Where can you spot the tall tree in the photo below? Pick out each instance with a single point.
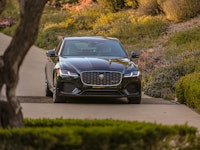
(25, 36)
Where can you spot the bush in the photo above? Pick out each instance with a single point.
(85, 18)
(130, 29)
(188, 91)
(164, 79)
(180, 10)
(131, 3)
(111, 5)
(47, 134)
(49, 38)
(149, 7)
(182, 53)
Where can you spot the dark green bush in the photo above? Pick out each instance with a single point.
(50, 134)
(111, 5)
(188, 90)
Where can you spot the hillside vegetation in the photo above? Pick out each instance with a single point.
(166, 33)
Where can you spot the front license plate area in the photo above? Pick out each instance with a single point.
(98, 87)
(104, 87)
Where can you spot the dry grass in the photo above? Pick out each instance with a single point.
(180, 10)
(149, 7)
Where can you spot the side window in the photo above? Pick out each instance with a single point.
(58, 47)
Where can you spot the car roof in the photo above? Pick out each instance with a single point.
(90, 38)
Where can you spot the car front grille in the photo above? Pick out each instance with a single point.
(101, 78)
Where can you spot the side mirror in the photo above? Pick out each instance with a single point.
(51, 53)
(135, 55)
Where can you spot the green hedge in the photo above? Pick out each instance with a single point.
(188, 90)
(49, 134)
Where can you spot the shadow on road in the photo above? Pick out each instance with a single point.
(29, 99)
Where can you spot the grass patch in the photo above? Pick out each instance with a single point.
(183, 43)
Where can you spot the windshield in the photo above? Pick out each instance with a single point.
(92, 48)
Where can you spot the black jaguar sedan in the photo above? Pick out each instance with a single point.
(92, 67)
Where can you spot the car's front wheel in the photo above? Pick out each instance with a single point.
(48, 92)
(134, 100)
(56, 97)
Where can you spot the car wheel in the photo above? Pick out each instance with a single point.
(56, 97)
(48, 91)
(134, 100)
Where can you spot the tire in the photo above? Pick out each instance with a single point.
(56, 97)
(48, 92)
(134, 100)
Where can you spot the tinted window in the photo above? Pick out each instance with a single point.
(93, 48)
(57, 49)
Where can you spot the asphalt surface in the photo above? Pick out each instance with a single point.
(30, 92)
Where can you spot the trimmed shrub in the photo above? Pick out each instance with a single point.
(180, 10)
(50, 134)
(188, 91)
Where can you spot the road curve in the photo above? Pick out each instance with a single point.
(30, 92)
(32, 79)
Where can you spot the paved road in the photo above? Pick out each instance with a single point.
(31, 94)
(31, 82)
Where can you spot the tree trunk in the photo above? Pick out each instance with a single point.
(10, 62)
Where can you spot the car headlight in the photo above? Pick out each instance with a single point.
(66, 73)
(134, 73)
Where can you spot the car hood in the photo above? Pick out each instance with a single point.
(79, 65)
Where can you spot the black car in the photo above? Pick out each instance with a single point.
(92, 67)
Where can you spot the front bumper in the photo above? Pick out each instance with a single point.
(73, 87)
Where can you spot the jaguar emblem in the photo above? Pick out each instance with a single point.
(101, 76)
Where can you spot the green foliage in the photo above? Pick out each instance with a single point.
(182, 51)
(131, 3)
(165, 78)
(188, 91)
(46, 134)
(85, 19)
(59, 3)
(111, 5)
(129, 28)
(11, 11)
(180, 10)
(49, 38)
(183, 43)
(52, 28)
